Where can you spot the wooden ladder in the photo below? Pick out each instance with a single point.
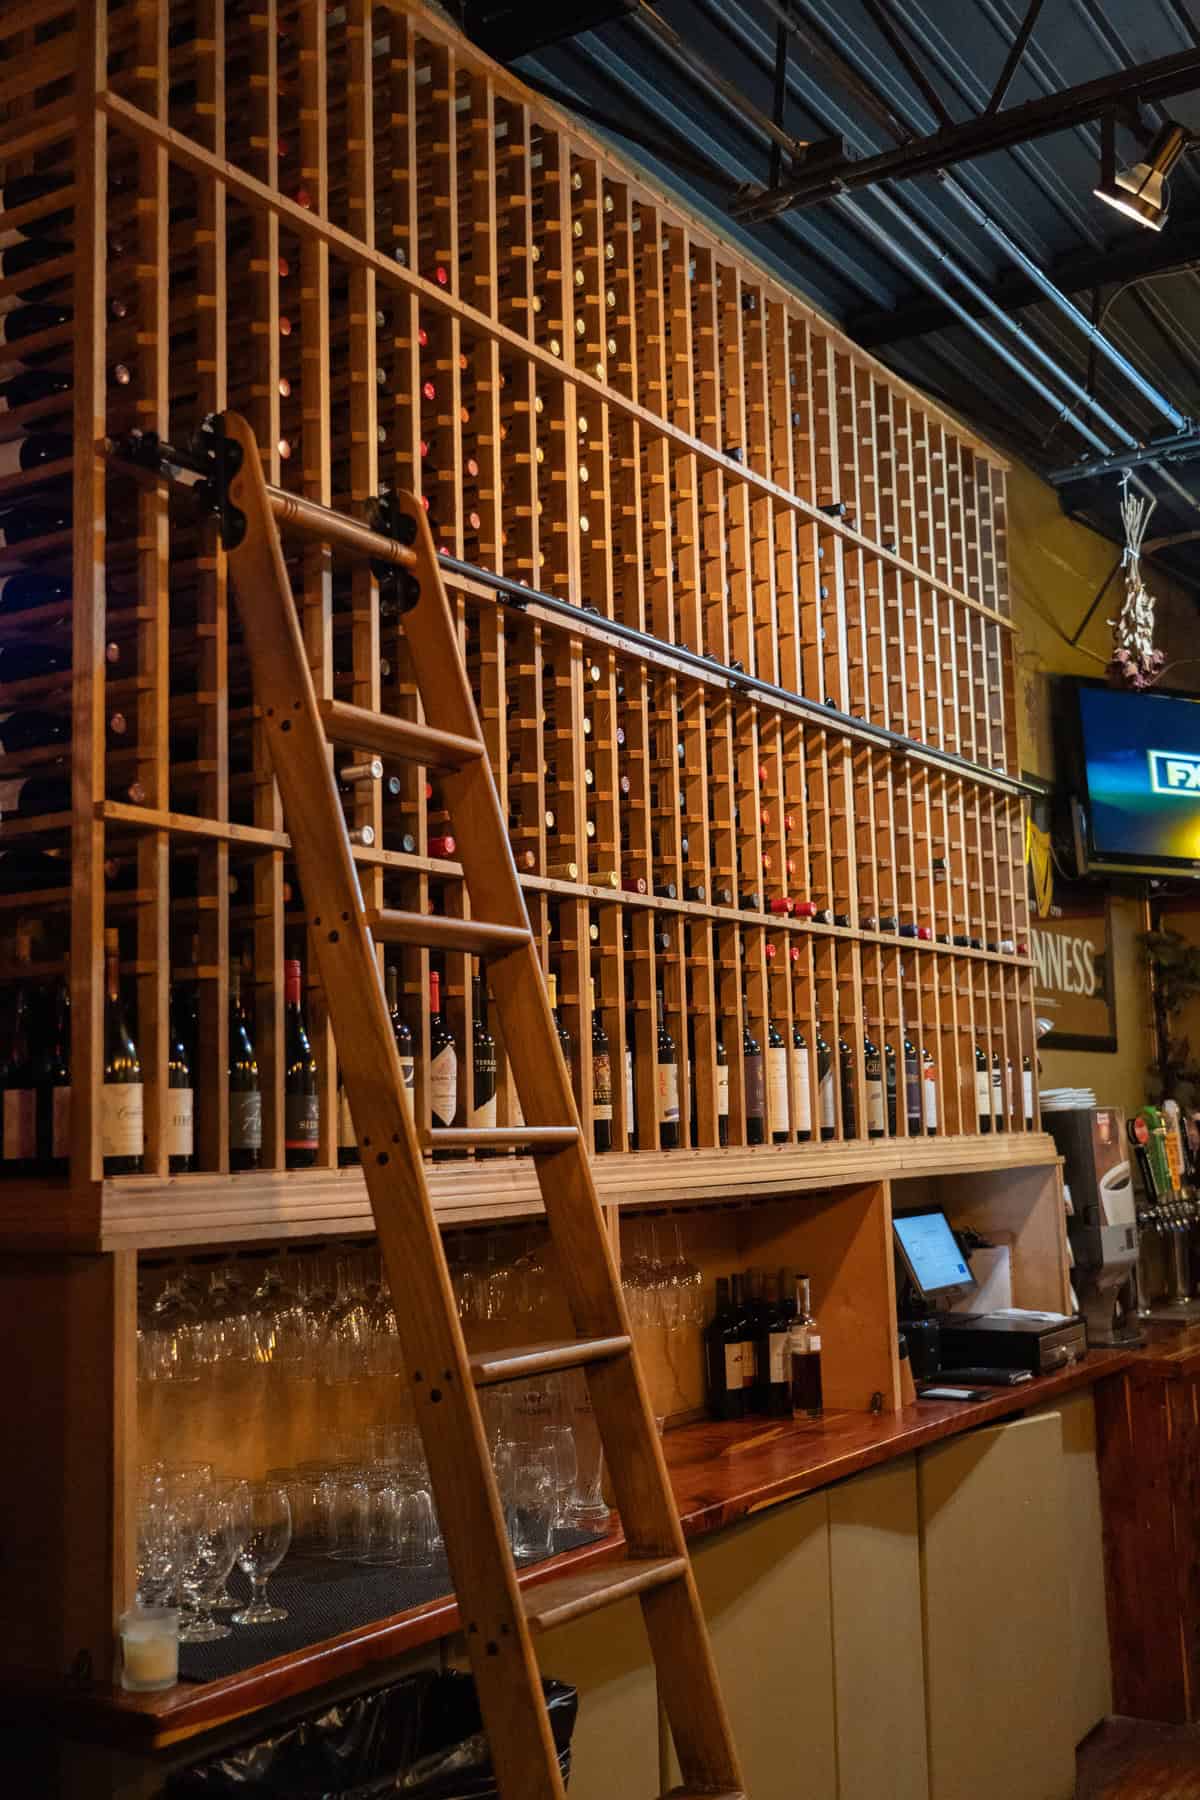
(498, 1618)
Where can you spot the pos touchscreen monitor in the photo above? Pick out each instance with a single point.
(929, 1252)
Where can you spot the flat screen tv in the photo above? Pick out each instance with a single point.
(1139, 773)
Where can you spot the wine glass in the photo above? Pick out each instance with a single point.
(233, 1490)
(268, 1534)
(212, 1534)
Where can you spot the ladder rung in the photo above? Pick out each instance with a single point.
(437, 932)
(366, 730)
(573, 1596)
(504, 1137)
(490, 1366)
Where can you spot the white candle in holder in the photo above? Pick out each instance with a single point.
(149, 1648)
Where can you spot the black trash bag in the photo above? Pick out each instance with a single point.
(421, 1737)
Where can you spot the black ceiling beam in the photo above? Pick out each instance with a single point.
(1130, 258)
(1004, 130)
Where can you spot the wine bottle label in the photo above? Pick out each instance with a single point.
(722, 1090)
(1027, 1091)
(408, 1072)
(803, 1090)
(931, 1115)
(443, 1086)
(60, 1122)
(754, 1086)
(20, 1124)
(668, 1093)
(301, 1121)
(778, 1343)
(828, 1101)
(777, 1089)
(876, 1116)
(735, 1367)
(983, 1093)
(602, 1101)
(814, 1340)
(121, 1131)
(245, 1121)
(483, 1116)
(346, 1137)
(181, 1113)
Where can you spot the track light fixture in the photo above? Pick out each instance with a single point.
(1140, 191)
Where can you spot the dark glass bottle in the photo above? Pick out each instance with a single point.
(929, 1092)
(999, 1103)
(53, 1084)
(778, 1107)
(18, 1121)
(983, 1089)
(443, 1061)
(560, 1030)
(801, 1085)
(121, 1118)
(873, 1073)
(774, 1373)
(34, 451)
(826, 1096)
(302, 1116)
(722, 1061)
(602, 1088)
(1027, 1091)
(723, 1359)
(804, 1354)
(756, 1099)
(889, 1086)
(667, 1083)
(23, 592)
(849, 1102)
(400, 1031)
(181, 1097)
(630, 1083)
(245, 1093)
(483, 1061)
(913, 1120)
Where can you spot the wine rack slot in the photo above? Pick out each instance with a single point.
(732, 600)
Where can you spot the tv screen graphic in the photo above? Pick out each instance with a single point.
(1141, 755)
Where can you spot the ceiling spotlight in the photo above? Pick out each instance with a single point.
(1140, 191)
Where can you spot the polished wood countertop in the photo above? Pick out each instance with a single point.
(721, 1472)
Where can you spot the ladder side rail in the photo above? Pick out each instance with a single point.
(498, 1641)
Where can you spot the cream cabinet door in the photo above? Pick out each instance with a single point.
(607, 1657)
(764, 1585)
(1089, 1666)
(996, 1600)
(879, 1669)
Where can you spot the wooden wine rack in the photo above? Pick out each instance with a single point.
(732, 597)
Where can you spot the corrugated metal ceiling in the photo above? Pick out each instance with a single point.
(1039, 193)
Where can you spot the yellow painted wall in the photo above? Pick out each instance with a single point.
(1056, 568)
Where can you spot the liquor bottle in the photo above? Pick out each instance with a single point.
(181, 1096)
(983, 1089)
(18, 1123)
(443, 1061)
(873, 1071)
(1027, 1091)
(801, 1085)
(929, 1086)
(245, 1094)
(723, 1357)
(667, 1083)
(483, 1061)
(121, 1120)
(849, 1103)
(778, 1112)
(722, 1062)
(756, 1099)
(826, 1097)
(999, 1107)
(401, 1032)
(804, 1356)
(774, 1375)
(602, 1093)
(889, 1086)
(52, 1081)
(912, 1087)
(302, 1107)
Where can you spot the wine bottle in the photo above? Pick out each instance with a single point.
(983, 1089)
(347, 1142)
(21, 593)
(804, 1353)
(483, 1061)
(999, 1109)
(18, 1123)
(826, 1098)
(873, 1070)
(849, 1100)
(301, 1100)
(775, 1375)
(667, 1078)
(121, 1116)
(778, 1111)
(722, 1062)
(801, 1084)
(1027, 1091)
(30, 321)
(889, 1086)
(560, 1030)
(443, 1060)
(602, 1093)
(752, 1061)
(245, 1093)
(929, 1087)
(912, 1087)
(181, 1096)
(52, 1080)
(401, 1032)
(631, 1132)
(22, 190)
(723, 1359)
(26, 453)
